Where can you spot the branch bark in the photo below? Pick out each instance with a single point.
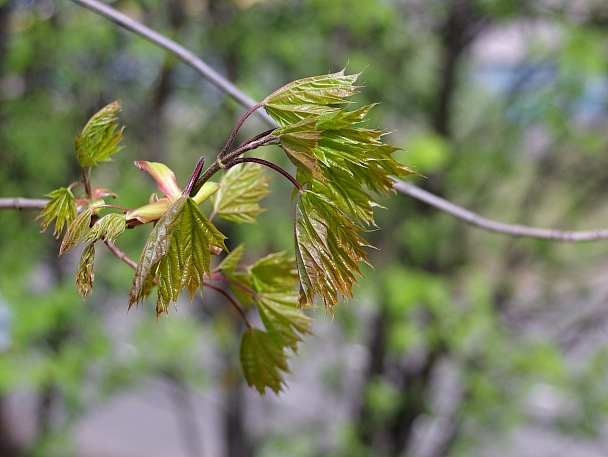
(433, 200)
(186, 56)
(494, 226)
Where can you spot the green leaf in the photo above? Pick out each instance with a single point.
(309, 96)
(177, 251)
(274, 273)
(263, 361)
(328, 250)
(156, 247)
(283, 319)
(99, 139)
(76, 230)
(338, 186)
(61, 208)
(86, 271)
(298, 141)
(241, 188)
(108, 228)
(240, 280)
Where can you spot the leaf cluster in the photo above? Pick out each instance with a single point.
(341, 168)
(341, 163)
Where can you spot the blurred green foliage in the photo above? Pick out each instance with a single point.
(459, 329)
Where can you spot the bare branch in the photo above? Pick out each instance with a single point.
(186, 56)
(494, 226)
(20, 203)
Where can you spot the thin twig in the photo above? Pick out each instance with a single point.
(238, 307)
(218, 164)
(428, 198)
(186, 56)
(494, 226)
(120, 254)
(31, 204)
(268, 164)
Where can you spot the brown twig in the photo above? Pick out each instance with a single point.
(120, 254)
(498, 227)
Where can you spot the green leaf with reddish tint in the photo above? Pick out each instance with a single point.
(308, 97)
(61, 209)
(108, 228)
(285, 322)
(85, 274)
(298, 141)
(177, 252)
(241, 189)
(99, 139)
(76, 230)
(156, 247)
(164, 177)
(263, 361)
(328, 250)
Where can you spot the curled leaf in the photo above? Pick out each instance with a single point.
(85, 274)
(76, 231)
(164, 177)
(99, 139)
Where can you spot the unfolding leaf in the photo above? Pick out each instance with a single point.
(273, 273)
(177, 251)
(85, 274)
(241, 189)
(76, 230)
(263, 361)
(298, 141)
(99, 139)
(328, 250)
(309, 96)
(61, 208)
(164, 177)
(108, 228)
(283, 319)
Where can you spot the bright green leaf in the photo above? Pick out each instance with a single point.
(99, 139)
(283, 318)
(298, 141)
(274, 273)
(263, 361)
(241, 188)
(328, 250)
(309, 96)
(177, 251)
(61, 208)
(76, 230)
(86, 271)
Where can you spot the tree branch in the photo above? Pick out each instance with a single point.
(186, 56)
(494, 226)
(23, 203)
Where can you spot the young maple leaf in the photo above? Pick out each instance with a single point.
(61, 209)
(177, 252)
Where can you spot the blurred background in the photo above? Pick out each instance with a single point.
(459, 343)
